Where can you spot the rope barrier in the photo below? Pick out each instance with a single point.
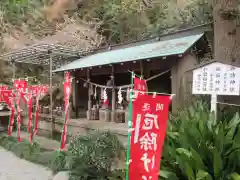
(238, 105)
(124, 86)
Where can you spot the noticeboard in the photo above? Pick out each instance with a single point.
(216, 78)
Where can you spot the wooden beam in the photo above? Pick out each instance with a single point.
(153, 64)
(51, 94)
(89, 95)
(141, 68)
(174, 86)
(113, 95)
(74, 93)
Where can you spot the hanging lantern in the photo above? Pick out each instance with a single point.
(85, 84)
(110, 82)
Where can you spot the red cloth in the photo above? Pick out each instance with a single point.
(8, 98)
(21, 87)
(2, 90)
(38, 94)
(67, 92)
(140, 87)
(150, 117)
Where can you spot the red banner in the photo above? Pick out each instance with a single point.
(6, 94)
(38, 94)
(67, 77)
(67, 92)
(3, 88)
(140, 86)
(18, 98)
(33, 90)
(30, 116)
(44, 89)
(8, 98)
(11, 119)
(21, 88)
(150, 115)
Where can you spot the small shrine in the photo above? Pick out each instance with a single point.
(101, 81)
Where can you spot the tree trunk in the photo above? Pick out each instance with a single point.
(226, 38)
(226, 31)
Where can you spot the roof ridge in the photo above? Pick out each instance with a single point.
(153, 37)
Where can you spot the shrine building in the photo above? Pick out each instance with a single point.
(163, 61)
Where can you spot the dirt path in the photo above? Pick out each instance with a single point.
(13, 168)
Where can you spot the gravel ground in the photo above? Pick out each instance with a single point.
(13, 168)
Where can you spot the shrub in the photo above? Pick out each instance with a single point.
(94, 156)
(55, 160)
(198, 148)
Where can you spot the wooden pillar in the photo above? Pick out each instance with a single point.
(14, 70)
(141, 69)
(74, 94)
(174, 87)
(89, 95)
(51, 95)
(145, 71)
(113, 95)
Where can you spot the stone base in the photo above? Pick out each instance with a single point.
(119, 116)
(126, 117)
(94, 114)
(88, 115)
(104, 115)
(1, 129)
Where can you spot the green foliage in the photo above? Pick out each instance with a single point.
(128, 20)
(58, 162)
(55, 160)
(17, 11)
(196, 148)
(228, 112)
(93, 156)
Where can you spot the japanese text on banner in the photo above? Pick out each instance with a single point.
(140, 86)
(150, 115)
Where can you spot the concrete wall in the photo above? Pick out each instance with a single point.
(79, 127)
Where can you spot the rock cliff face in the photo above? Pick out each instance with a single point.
(27, 23)
(46, 23)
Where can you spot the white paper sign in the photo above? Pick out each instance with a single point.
(216, 78)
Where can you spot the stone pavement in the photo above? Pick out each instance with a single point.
(14, 168)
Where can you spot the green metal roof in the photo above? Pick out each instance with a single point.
(156, 49)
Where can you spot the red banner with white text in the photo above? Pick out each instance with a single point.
(8, 97)
(29, 99)
(67, 92)
(39, 90)
(21, 88)
(3, 88)
(140, 87)
(150, 115)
